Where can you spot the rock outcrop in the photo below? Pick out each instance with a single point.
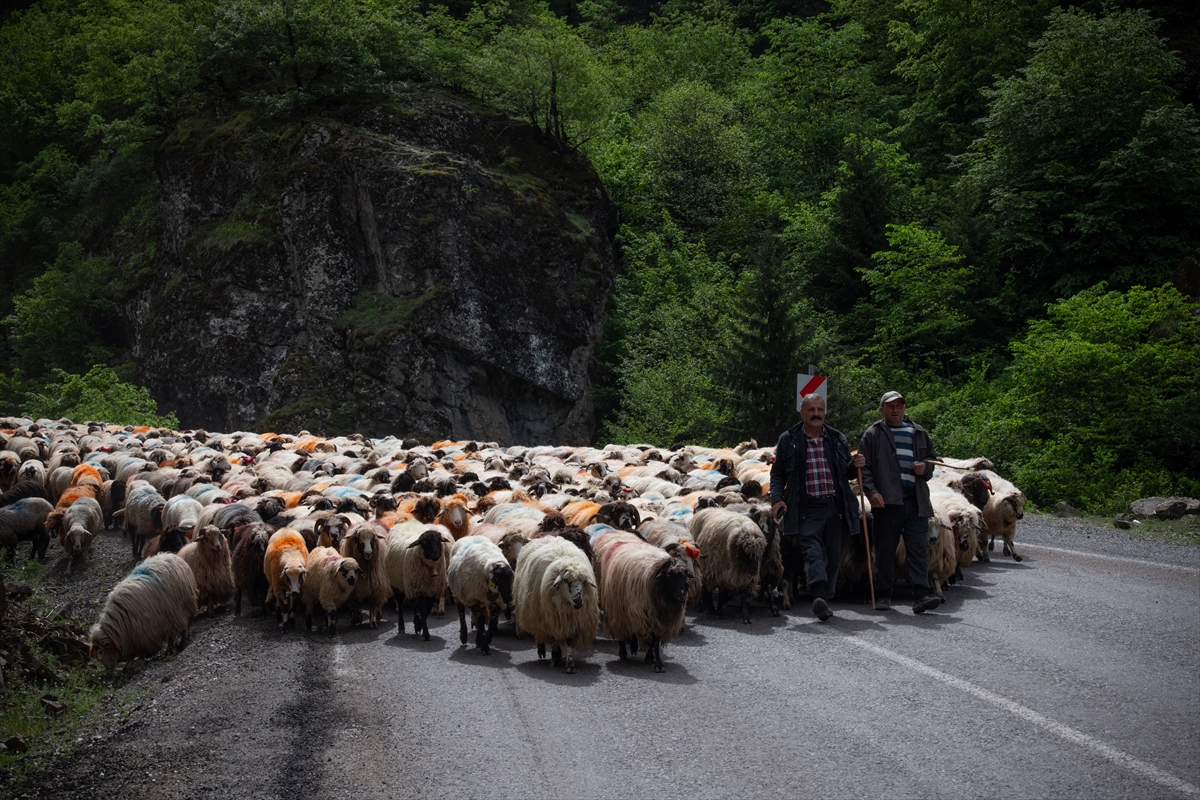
(421, 267)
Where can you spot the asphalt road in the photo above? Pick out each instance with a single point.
(1075, 673)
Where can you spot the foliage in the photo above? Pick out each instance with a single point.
(1098, 406)
(98, 396)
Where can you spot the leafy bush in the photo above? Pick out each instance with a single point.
(100, 396)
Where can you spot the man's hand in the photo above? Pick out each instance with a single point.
(876, 500)
(778, 509)
(918, 468)
(859, 460)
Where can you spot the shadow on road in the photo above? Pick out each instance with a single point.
(470, 656)
(586, 671)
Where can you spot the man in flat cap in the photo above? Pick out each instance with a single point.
(896, 481)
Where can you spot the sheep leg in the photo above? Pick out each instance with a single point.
(373, 614)
(237, 603)
(720, 603)
(656, 646)
(706, 598)
(633, 645)
(570, 661)
(773, 596)
(745, 606)
(308, 621)
(426, 605)
(621, 650)
(992, 542)
(1011, 549)
(462, 624)
(541, 650)
(485, 631)
(556, 655)
(400, 609)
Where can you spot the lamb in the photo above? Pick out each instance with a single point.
(25, 520)
(365, 544)
(80, 524)
(150, 607)
(1000, 515)
(664, 533)
(417, 559)
(330, 582)
(142, 514)
(208, 556)
(480, 579)
(732, 549)
(643, 591)
(554, 589)
(284, 566)
(249, 545)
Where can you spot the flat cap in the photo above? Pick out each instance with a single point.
(889, 397)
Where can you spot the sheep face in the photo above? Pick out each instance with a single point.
(348, 571)
(293, 582)
(570, 589)
(671, 580)
(430, 543)
(620, 515)
(500, 584)
(104, 649)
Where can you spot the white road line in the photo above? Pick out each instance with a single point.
(1148, 771)
(341, 660)
(1120, 559)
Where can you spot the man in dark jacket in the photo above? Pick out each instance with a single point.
(809, 482)
(896, 481)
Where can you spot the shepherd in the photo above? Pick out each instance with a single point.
(810, 490)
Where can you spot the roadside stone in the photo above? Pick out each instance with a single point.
(1148, 507)
(1065, 509)
(1171, 510)
(1123, 524)
(16, 744)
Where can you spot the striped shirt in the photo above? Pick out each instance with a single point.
(818, 476)
(904, 454)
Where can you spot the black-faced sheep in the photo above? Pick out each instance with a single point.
(480, 579)
(365, 544)
(329, 583)
(171, 540)
(249, 545)
(25, 521)
(208, 556)
(643, 591)
(771, 572)
(417, 559)
(557, 602)
(677, 540)
(731, 553)
(285, 565)
(150, 607)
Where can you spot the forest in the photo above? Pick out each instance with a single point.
(992, 206)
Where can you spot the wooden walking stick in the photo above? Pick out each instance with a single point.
(866, 538)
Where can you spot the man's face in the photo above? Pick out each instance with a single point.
(893, 412)
(813, 414)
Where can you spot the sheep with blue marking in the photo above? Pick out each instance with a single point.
(151, 607)
(481, 580)
(25, 521)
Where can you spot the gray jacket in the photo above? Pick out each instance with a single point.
(882, 471)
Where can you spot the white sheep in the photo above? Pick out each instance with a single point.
(212, 564)
(182, 511)
(150, 607)
(731, 552)
(142, 514)
(329, 582)
(81, 523)
(480, 579)
(1000, 515)
(556, 598)
(417, 560)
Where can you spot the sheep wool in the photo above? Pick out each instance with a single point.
(480, 579)
(150, 607)
(209, 557)
(417, 558)
(556, 598)
(365, 544)
(732, 549)
(329, 583)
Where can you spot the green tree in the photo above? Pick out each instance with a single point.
(1089, 164)
(98, 396)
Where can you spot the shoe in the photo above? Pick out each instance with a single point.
(927, 603)
(883, 604)
(821, 609)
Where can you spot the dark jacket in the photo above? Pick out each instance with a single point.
(788, 477)
(882, 471)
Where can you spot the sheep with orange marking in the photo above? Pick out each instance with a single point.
(209, 557)
(285, 565)
(643, 592)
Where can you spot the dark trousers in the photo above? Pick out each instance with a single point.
(820, 541)
(892, 522)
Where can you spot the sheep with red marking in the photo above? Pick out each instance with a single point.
(554, 589)
(329, 583)
(150, 607)
(675, 539)
(643, 592)
(418, 558)
(481, 580)
(285, 565)
(208, 556)
(731, 553)
(365, 543)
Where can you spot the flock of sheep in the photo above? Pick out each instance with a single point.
(559, 539)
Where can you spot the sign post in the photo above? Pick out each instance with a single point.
(807, 384)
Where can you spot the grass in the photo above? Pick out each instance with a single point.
(378, 318)
(226, 236)
(1177, 531)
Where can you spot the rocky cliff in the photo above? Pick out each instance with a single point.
(423, 266)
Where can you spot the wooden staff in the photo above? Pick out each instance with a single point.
(866, 537)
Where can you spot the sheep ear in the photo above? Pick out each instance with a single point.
(590, 583)
(558, 580)
(672, 548)
(414, 544)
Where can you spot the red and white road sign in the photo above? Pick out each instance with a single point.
(808, 384)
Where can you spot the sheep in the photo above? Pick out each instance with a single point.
(417, 559)
(32, 471)
(150, 607)
(208, 556)
(25, 520)
(249, 545)
(664, 533)
(731, 553)
(142, 514)
(455, 517)
(771, 574)
(182, 511)
(330, 582)
(509, 542)
(22, 490)
(480, 579)
(112, 499)
(284, 566)
(365, 544)
(643, 591)
(1000, 515)
(555, 592)
(10, 464)
(954, 512)
(171, 540)
(577, 536)
(80, 524)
